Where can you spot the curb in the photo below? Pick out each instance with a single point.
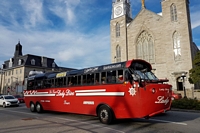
(185, 110)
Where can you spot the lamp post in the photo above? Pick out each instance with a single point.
(183, 76)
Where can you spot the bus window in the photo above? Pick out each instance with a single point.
(75, 80)
(72, 81)
(30, 85)
(48, 83)
(38, 84)
(79, 80)
(64, 81)
(97, 78)
(90, 79)
(84, 80)
(120, 77)
(52, 83)
(111, 77)
(103, 77)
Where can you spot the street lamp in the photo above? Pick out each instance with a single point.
(183, 76)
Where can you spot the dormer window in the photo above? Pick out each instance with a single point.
(19, 62)
(11, 62)
(32, 62)
(53, 64)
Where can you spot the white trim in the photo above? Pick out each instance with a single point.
(41, 92)
(90, 90)
(35, 95)
(101, 94)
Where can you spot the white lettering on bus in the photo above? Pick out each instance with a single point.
(91, 69)
(66, 103)
(88, 102)
(162, 100)
(112, 66)
(47, 101)
(62, 92)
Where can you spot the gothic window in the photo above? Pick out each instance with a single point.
(177, 46)
(118, 53)
(32, 62)
(117, 30)
(173, 12)
(145, 47)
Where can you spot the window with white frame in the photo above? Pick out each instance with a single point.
(145, 47)
(176, 46)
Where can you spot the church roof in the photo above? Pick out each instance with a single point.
(145, 12)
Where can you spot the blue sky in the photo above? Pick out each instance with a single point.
(76, 33)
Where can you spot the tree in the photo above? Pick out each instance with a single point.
(195, 71)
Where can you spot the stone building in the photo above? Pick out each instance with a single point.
(163, 39)
(14, 71)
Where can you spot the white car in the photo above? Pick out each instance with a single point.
(8, 100)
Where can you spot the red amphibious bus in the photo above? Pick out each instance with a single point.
(114, 91)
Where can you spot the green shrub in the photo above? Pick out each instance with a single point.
(186, 103)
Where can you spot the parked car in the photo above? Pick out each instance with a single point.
(20, 98)
(8, 100)
(176, 96)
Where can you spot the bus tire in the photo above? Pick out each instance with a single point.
(105, 114)
(39, 108)
(32, 107)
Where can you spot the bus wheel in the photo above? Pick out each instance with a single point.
(105, 115)
(32, 107)
(39, 108)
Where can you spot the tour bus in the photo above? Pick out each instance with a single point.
(115, 91)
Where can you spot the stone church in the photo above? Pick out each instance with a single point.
(163, 39)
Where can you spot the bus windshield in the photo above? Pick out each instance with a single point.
(146, 75)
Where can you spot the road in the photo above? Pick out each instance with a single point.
(21, 120)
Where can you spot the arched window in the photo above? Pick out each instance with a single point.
(177, 46)
(118, 53)
(145, 47)
(173, 12)
(117, 30)
(32, 62)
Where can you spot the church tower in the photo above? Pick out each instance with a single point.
(18, 50)
(121, 16)
(163, 39)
